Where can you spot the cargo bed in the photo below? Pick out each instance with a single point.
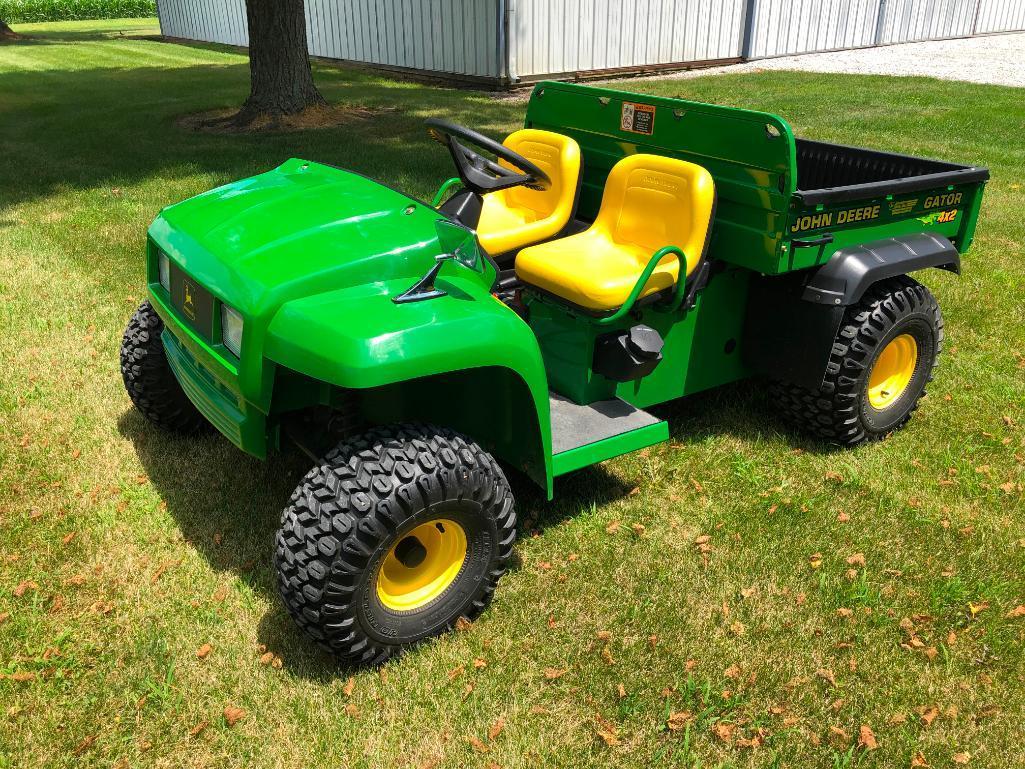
(835, 173)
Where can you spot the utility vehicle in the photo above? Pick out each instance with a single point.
(618, 252)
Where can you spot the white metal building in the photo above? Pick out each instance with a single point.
(506, 42)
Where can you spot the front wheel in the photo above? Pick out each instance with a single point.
(883, 357)
(392, 538)
(148, 378)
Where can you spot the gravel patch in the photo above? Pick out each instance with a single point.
(996, 59)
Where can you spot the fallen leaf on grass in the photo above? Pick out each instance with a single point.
(826, 675)
(204, 651)
(24, 586)
(620, 690)
(927, 713)
(838, 738)
(918, 761)
(555, 673)
(233, 715)
(842, 517)
(349, 686)
(607, 656)
(845, 613)
(463, 624)
(815, 560)
(608, 737)
(678, 720)
(858, 559)
(479, 746)
(725, 732)
(266, 658)
(738, 628)
(198, 728)
(496, 728)
(21, 676)
(754, 741)
(977, 608)
(1017, 611)
(480, 663)
(961, 758)
(867, 738)
(835, 477)
(66, 540)
(4, 615)
(351, 710)
(220, 593)
(85, 744)
(613, 527)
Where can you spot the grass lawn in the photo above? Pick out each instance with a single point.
(872, 588)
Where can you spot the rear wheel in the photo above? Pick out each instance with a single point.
(882, 359)
(392, 538)
(148, 378)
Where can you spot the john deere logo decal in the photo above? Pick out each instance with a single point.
(187, 306)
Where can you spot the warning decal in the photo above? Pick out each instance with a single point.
(638, 118)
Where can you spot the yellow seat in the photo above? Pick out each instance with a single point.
(649, 202)
(519, 216)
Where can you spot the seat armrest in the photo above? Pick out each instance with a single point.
(657, 257)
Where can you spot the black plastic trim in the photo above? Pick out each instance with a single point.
(844, 279)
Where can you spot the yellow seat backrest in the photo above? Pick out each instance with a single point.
(652, 201)
(519, 216)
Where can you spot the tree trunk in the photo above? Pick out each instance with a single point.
(279, 61)
(6, 33)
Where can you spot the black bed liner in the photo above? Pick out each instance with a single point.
(835, 173)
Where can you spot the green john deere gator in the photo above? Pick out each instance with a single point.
(618, 252)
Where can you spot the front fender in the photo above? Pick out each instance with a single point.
(358, 338)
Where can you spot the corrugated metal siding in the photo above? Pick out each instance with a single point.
(449, 36)
(552, 37)
(800, 26)
(908, 20)
(1000, 16)
(557, 36)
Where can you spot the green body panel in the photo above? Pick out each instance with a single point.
(702, 345)
(313, 257)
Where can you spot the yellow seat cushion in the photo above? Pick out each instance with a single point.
(649, 202)
(516, 217)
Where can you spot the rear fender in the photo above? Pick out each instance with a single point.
(464, 360)
(844, 279)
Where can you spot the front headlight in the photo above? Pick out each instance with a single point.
(164, 270)
(231, 329)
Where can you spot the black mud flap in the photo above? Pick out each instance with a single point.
(793, 319)
(786, 337)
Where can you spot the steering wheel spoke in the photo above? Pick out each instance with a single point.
(479, 173)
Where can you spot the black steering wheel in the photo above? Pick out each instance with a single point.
(478, 173)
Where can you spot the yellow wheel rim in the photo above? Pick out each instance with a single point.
(421, 565)
(892, 371)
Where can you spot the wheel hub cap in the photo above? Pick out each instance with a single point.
(892, 371)
(422, 565)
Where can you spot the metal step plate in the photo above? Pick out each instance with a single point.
(575, 426)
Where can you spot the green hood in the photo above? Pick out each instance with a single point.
(299, 230)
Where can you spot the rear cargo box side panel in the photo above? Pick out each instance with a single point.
(949, 211)
(750, 155)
